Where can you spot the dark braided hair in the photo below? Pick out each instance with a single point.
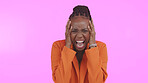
(80, 10)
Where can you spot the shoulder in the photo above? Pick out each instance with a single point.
(100, 44)
(59, 43)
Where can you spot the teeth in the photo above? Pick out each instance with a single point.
(79, 41)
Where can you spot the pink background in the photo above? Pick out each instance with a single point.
(29, 27)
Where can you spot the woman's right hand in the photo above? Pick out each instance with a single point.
(67, 34)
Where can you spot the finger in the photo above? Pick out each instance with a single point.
(67, 22)
(92, 22)
(92, 26)
(70, 29)
(68, 25)
(89, 29)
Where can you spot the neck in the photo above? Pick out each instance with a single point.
(79, 56)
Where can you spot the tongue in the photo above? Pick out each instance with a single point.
(79, 43)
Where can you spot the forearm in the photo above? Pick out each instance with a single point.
(62, 64)
(67, 58)
(96, 73)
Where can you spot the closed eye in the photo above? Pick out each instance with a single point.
(85, 30)
(74, 30)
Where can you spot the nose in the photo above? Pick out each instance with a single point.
(79, 35)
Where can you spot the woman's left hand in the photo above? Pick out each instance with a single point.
(92, 32)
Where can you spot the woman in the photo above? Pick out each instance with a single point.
(79, 58)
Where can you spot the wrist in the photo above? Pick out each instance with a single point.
(68, 45)
(92, 45)
(92, 42)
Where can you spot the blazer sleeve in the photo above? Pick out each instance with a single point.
(61, 61)
(97, 64)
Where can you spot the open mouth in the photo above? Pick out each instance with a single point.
(80, 44)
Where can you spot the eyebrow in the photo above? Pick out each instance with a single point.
(81, 29)
(85, 28)
(77, 28)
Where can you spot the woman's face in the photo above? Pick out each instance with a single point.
(80, 32)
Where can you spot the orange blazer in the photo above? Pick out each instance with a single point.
(65, 67)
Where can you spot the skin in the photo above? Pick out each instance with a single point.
(77, 29)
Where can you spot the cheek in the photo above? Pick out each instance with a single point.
(87, 36)
(72, 36)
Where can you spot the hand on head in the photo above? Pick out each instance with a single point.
(92, 32)
(67, 34)
(69, 29)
